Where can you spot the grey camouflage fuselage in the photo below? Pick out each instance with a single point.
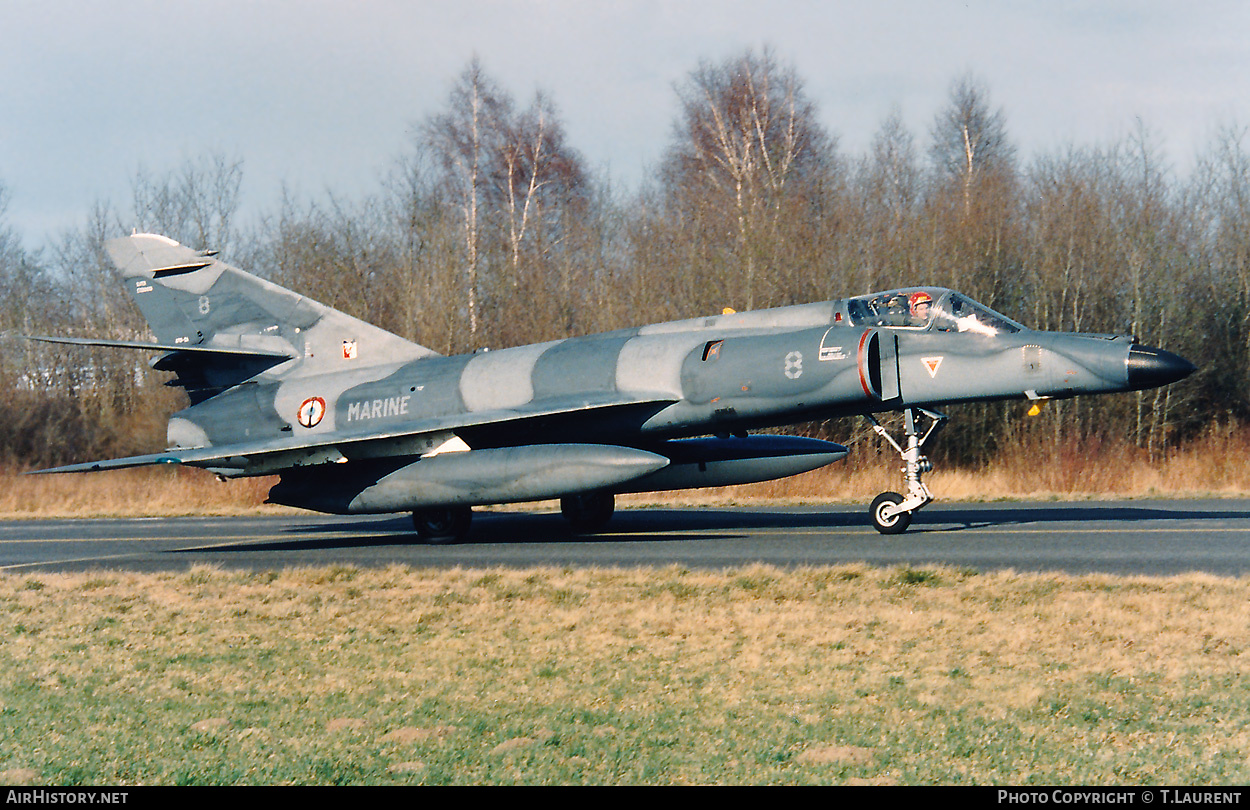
(721, 374)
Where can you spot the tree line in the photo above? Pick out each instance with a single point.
(491, 230)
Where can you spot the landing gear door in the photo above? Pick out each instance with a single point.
(878, 364)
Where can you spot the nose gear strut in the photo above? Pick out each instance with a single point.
(891, 512)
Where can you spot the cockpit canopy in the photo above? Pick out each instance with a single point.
(928, 307)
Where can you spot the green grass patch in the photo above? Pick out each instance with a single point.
(850, 674)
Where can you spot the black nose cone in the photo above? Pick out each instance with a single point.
(1149, 367)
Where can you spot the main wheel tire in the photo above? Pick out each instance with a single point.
(895, 524)
(588, 512)
(442, 526)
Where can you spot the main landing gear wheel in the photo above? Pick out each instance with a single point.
(891, 512)
(443, 525)
(588, 512)
(885, 515)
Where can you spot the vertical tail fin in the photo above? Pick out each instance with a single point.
(190, 298)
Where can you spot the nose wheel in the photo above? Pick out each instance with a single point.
(887, 518)
(891, 512)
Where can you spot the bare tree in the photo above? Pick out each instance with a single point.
(970, 139)
(426, 279)
(973, 204)
(195, 203)
(1220, 203)
(540, 173)
(462, 141)
(746, 146)
(18, 283)
(890, 186)
(515, 182)
(894, 170)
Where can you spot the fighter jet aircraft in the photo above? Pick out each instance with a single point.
(354, 419)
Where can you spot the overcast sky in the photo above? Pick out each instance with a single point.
(323, 95)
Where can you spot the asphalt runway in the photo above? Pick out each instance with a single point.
(1157, 538)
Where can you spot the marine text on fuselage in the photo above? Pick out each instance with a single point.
(378, 408)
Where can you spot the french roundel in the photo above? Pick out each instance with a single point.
(311, 410)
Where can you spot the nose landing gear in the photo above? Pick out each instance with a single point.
(891, 512)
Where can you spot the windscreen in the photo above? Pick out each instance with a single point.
(958, 313)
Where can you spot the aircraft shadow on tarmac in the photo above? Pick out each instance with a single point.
(506, 528)
(942, 519)
(711, 524)
(985, 516)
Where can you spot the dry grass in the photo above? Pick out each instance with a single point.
(758, 675)
(1212, 466)
(138, 492)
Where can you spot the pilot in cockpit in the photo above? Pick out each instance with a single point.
(920, 304)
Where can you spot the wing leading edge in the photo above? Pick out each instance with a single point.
(421, 437)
